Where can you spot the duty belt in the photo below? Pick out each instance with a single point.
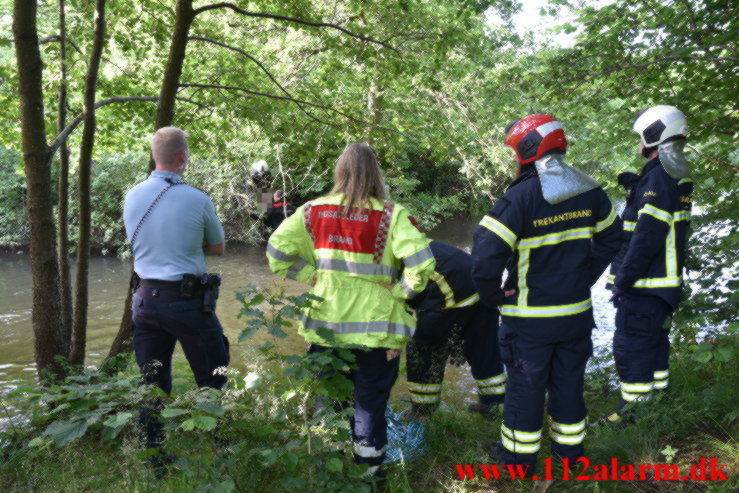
(157, 284)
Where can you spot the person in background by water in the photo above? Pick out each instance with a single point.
(276, 212)
(556, 231)
(646, 275)
(350, 245)
(448, 309)
(172, 227)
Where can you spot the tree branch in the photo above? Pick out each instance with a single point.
(227, 5)
(264, 69)
(56, 38)
(735, 169)
(57, 142)
(287, 98)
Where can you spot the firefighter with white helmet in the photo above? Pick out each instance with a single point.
(646, 275)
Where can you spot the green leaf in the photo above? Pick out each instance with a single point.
(206, 423)
(703, 357)
(247, 333)
(188, 424)
(172, 412)
(334, 464)
(118, 420)
(210, 407)
(63, 432)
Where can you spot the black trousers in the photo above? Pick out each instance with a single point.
(534, 370)
(428, 351)
(641, 346)
(373, 378)
(161, 317)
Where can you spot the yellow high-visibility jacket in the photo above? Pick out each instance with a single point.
(350, 256)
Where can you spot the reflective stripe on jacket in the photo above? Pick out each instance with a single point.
(452, 285)
(350, 256)
(656, 222)
(554, 254)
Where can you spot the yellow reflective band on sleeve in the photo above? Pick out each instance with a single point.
(565, 429)
(500, 229)
(445, 289)
(523, 270)
(682, 216)
(545, 311)
(601, 225)
(656, 213)
(467, 301)
(658, 375)
(659, 282)
(685, 180)
(671, 253)
(555, 238)
(661, 384)
(629, 225)
(567, 439)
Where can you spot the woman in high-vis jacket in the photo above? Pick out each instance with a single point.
(365, 258)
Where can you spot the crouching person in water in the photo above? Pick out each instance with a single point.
(451, 302)
(351, 244)
(172, 227)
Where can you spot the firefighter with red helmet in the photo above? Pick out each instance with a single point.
(646, 275)
(556, 231)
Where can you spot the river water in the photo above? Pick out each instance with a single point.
(239, 267)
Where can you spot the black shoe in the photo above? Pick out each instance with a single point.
(616, 420)
(420, 411)
(489, 411)
(496, 452)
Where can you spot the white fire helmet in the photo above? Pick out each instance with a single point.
(658, 123)
(259, 166)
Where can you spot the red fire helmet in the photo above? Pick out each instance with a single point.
(534, 136)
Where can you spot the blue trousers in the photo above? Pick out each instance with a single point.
(534, 370)
(161, 317)
(641, 346)
(373, 379)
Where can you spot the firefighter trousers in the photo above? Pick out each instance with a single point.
(428, 351)
(641, 346)
(535, 369)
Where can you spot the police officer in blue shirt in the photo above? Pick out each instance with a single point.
(171, 227)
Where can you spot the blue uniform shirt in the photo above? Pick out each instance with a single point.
(170, 242)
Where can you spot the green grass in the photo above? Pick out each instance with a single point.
(696, 418)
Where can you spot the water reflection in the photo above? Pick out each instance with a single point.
(241, 266)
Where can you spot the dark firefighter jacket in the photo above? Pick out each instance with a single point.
(554, 254)
(656, 221)
(276, 213)
(452, 285)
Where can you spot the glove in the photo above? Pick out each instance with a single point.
(618, 293)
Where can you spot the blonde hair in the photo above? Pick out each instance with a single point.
(357, 175)
(166, 144)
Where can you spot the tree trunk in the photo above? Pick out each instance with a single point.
(164, 116)
(65, 290)
(79, 327)
(173, 71)
(49, 340)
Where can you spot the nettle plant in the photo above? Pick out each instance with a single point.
(303, 394)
